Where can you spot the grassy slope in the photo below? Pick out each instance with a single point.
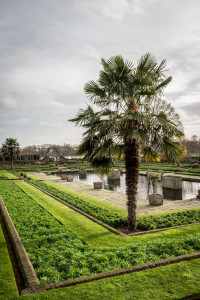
(7, 278)
(7, 175)
(90, 232)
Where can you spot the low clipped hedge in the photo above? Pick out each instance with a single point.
(144, 222)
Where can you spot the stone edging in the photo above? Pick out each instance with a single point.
(26, 268)
(118, 232)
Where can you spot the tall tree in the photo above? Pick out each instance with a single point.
(9, 148)
(128, 115)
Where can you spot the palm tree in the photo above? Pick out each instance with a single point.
(128, 118)
(9, 148)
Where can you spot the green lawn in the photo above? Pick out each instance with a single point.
(6, 175)
(7, 278)
(176, 281)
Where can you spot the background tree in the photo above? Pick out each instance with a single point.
(125, 115)
(9, 148)
(193, 146)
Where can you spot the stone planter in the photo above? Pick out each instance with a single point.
(70, 178)
(98, 185)
(115, 175)
(21, 177)
(156, 199)
(63, 177)
(172, 182)
(82, 170)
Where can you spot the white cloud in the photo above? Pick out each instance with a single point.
(8, 103)
(115, 9)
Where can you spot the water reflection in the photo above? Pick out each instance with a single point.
(189, 189)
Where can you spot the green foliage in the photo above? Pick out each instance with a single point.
(9, 148)
(144, 222)
(125, 95)
(57, 254)
(152, 176)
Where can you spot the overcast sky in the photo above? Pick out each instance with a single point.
(50, 48)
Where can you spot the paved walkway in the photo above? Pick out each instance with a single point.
(119, 199)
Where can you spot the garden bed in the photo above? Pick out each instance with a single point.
(57, 254)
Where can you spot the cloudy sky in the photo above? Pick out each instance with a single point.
(50, 48)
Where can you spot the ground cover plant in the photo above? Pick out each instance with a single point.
(176, 281)
(57, 254)
(115, 219)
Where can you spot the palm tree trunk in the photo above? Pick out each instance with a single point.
(132, 163)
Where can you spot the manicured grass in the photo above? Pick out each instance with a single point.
(6, 175)
(90, 199)
(7, 279)
(91, 233)
(33, 177)
(177, 281)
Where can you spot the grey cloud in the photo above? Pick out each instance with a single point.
(192, 109)
(49, 49)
